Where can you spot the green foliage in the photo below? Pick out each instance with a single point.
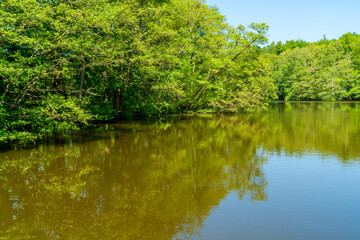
(326, 71)
(63, 63)
(279, 47)
(29, 123)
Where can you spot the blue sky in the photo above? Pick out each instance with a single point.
(301, 19)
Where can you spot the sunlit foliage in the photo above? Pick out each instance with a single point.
(327, 70)
(112, 59)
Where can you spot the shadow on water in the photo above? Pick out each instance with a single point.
(96, 132)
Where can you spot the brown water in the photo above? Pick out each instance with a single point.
(290, 173)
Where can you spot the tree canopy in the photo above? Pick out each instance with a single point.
(327, 70)
(65, 63)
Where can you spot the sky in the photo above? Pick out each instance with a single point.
(308, 20)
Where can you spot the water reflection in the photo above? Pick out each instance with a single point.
(160, 181)
(328, 128)
(155, 183)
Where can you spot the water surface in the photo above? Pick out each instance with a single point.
(290, 173)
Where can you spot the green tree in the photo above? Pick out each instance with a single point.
(66, 63)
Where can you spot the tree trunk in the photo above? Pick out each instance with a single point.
(118, 102)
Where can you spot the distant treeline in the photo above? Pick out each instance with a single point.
(66, 63)
(327, 70)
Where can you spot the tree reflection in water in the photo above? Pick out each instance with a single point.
(161, 180)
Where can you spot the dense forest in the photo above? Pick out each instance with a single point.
(64, 64)
(327, 70)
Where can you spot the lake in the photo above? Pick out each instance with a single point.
(290, 173)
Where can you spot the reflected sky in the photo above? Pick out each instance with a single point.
(308, 198)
